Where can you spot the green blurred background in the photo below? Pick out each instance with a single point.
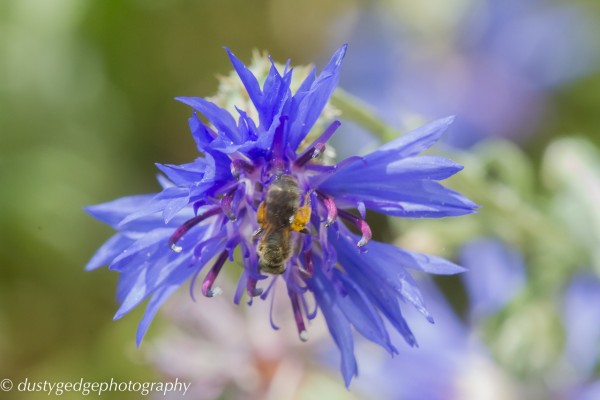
(86, 108)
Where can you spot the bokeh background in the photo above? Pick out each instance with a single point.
(86, 108)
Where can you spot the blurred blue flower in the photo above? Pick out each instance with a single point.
(581, 319)
(582, 322)
(454, 365)
(261, 180)
(460, 366)
(491, 64)
(496, 274)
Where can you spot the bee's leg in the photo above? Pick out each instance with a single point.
(257, 232)
(261, 216)
(302, 216)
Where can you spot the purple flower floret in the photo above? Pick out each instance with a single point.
(212, 206)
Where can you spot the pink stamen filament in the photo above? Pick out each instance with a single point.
(302, 332)
(253, 291)
(210, 278)
(330, 206)
(226, 205)
(318, 146)
(361, 224)
(332, 211)
(187, 225)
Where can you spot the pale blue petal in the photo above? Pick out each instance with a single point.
(159, 266)
(157, 203)
(308, 103)
(200, 133)
(220, 118)
(113, 212)
(149, 244)
(383, 293)
(361, 313)
(425, 167)
(174, 206)
(184, 174)
(276, 92)
(109, 250)
(248, 79)
(409, 199)
(387, 254)
(393, 180)
(154, 304)
(413, 142)
(338, 325)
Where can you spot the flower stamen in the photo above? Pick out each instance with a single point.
(330, 206)
(361, 224)
(253, 291)
(302, 332)
(230, 202)
(310, 154)
(187, 225)
(210, 278)
(318, 146)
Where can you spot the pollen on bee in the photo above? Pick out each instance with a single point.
(302, 216)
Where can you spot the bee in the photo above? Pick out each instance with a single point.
(277, 216)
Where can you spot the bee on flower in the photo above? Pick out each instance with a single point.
(261, 186)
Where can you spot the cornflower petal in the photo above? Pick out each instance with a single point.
(362, 314)
(413, 142)
(217, 116)
(393, 180)
(137, 283)
(109, 250)
(201, 133)
(384, 294)
(338, 324)
(308, 103)
(279, 89)
(154, 304)
(184, 174)
(113, 212)
(248, 79)
(159, 202)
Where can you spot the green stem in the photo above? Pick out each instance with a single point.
(362, 114)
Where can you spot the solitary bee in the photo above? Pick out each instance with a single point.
(278, 215)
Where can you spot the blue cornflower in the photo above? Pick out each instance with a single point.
(260, 187)
(497, 273)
